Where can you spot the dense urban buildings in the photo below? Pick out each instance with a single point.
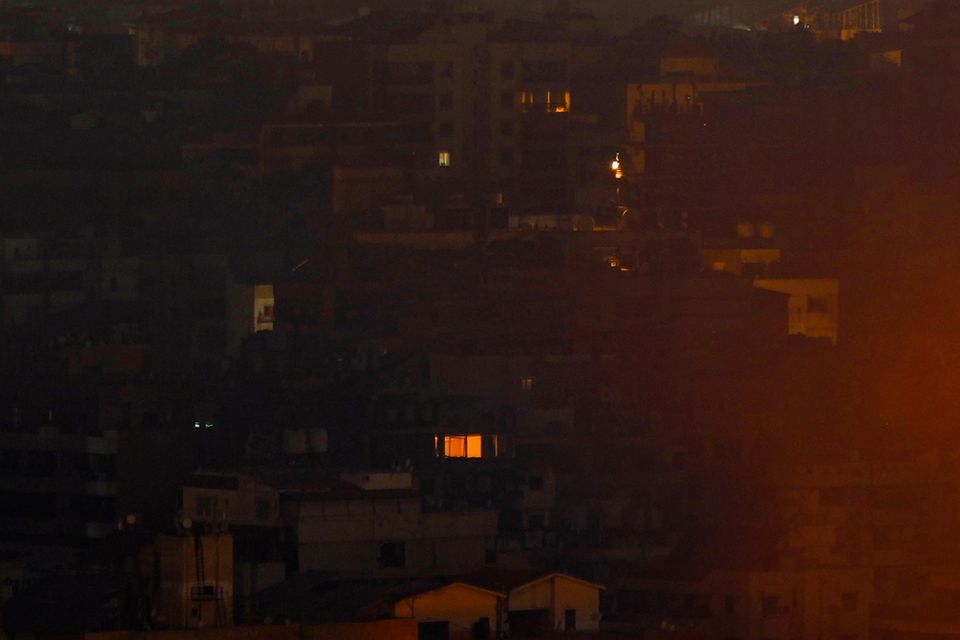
(465, 319)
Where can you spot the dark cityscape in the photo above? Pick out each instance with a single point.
(479, 319)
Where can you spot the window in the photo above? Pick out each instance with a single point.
(570, 620)
(445, 129)
(506, 127)
(506, 158)
(446, 100)
(206, 592)
(527, 100)
(206, 505)
(263, 509)
(506, 100)
(393, 555)
(443, 158)
(463, 446)
(558, 101)
(849, 601)
(506, 70)
(438, 630)
(818, 304)
(480, 630)
(526, 384)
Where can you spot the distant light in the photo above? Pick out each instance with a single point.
(796, 20)
(618, 174)
(207, 425)
(196, 425)
(615, 165)
(443, 158)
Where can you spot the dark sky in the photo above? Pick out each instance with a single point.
(615, 14)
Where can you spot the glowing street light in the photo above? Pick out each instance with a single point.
(615, 167)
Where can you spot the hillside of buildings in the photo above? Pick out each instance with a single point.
(456, 321)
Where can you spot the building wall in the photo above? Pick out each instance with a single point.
(699, 66)
(185, 592)
(807, 603)
(359, 190)
(369, 630)
(558, 594)
(353, 537)
(460, 605)
(251, 503)
(812, 305)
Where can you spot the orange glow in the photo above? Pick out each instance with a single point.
(474, 446)
(526, 100)
(462, 446)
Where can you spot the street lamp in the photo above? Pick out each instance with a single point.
(617, 169)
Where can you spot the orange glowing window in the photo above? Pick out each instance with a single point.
(526, 100)
(463, 446)
(558, 102)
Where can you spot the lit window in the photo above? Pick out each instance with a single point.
(463, 446)
(526, 384)
(455, 447)
(443, 158)
(475, 446)
(527, 100)
(557, 102)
